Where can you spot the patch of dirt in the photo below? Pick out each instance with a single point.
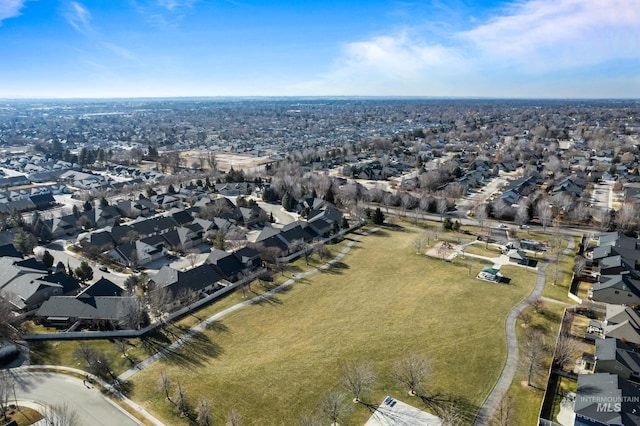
(442, 249)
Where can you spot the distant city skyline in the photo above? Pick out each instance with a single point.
(191, 48)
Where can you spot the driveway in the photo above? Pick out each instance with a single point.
(58, 250)
(51, 388)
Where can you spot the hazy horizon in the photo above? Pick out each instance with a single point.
(489, 49)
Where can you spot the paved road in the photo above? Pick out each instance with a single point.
(508, 372)
(279, 214)
(58, 250)
(52, 388)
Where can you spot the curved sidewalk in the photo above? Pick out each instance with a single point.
(203, 325)
(492, 402)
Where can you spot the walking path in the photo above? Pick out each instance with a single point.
(508, 372)
(265, 296)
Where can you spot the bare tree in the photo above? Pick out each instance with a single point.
(86, 352)
(538, 305)
(122, 345)
(7, 387)
(158, 299)
(182, 405)
(418, 244)
(451, 416)
(100, 366)
(357, 377)
(233, 418)
(481, 214)
(309, 420)
(411, 372)
(505, 415)
(192, 258)
(544, 213)
(203, 412)
(6, 315)
(525, 317)
(61, 415)
(533, 352)
(565, 351)
(164, 384)
(130, 308)
(579, 265)
(322, 252)
(333, 406)
(187, 296)
(442, 207)
(627, 216)
(522, 212)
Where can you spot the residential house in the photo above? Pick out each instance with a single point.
(605, 399)
(622, 322)
(182, 284)
(138, 252)
(27, 284)
(622, 289)
(63, 311)
(616, 357)
(228, 265)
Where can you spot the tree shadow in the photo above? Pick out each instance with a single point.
(41, 352)
(266, 299)
(154, 342)
(394, 227)
(217, 326)
(194, 351)
(444, 404)
(125, 387)
(335, 268)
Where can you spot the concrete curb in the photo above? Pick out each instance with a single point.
(62, 370)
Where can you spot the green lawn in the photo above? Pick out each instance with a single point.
(528, 400)
(61, 352)
(482, 249)
(273, 361)
(560, 290)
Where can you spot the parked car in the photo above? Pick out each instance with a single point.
(502, 226)
(524, 227)
(103, 268)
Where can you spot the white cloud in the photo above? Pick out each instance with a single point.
(527, 41)
(172, 5)
(78, 17)
(10, 8)
(552, 34)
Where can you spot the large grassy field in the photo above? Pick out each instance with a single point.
(273, 361)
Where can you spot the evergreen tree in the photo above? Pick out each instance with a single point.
(219, 242)
(23, 241)
(330, 197)
(288, 202)
(47, 259)
(84, 272)
(104, 202)
(377, 217)
(87, 206)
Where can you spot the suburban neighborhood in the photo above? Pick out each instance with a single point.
(138, 254)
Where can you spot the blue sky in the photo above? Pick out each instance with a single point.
(148, 48)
